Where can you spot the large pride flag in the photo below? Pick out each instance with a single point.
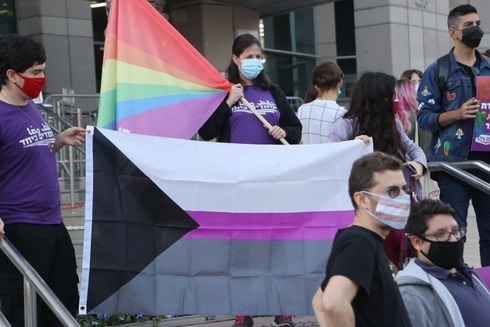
(184, 227)
(153, 81)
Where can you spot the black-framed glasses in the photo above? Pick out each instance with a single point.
(394, 191)
(443, 236)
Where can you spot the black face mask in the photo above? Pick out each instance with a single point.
(472, 36)
(445, 254)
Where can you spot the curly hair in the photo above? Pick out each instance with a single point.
(421, 212)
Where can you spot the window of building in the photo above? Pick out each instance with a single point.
(7, 17)
(345, 38)
(289, 47)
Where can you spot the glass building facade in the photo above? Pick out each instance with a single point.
(7, 17)
(290, 53)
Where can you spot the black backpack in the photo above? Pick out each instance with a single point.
(443, 64)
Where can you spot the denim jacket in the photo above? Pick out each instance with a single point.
(450, 143)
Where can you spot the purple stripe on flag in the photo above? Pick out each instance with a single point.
(269, 226)
(178, 120)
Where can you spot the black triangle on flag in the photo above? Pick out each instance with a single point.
(134, 221)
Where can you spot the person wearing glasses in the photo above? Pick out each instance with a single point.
(359, 287)
(438, 288)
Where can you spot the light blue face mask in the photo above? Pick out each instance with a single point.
(392, 212)
(251, 68)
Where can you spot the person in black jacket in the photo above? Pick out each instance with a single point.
(232, 121)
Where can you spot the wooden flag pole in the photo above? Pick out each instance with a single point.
(261, 118)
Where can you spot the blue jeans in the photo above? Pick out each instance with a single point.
(458, 195)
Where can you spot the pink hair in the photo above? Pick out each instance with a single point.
(405, 93)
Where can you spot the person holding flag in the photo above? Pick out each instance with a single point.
(233, 122)
(30, 190)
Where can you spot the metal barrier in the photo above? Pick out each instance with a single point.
(3, 321)
(69, 157)
(295, 102)
(33, 285)
(456, 169)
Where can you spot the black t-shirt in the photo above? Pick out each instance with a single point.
(358, 254)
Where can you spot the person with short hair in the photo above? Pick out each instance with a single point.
(438, 288)
(359, 287)
(414, 76)
(30, 191)
(449, 114)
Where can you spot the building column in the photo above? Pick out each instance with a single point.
(64, 27)
(211, 27)
(394, 35)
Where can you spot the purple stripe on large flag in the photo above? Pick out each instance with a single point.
(269, 226)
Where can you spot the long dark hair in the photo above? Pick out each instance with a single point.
(241, 43)
(371, 109)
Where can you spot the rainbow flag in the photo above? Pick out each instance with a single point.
(153, 81)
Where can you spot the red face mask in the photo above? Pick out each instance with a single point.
(396, 106)
(32, 85)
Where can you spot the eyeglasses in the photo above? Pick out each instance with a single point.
(443, 236)
(394, 191)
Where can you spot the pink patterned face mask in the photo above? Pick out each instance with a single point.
(392, 212)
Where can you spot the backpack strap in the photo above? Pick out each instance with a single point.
(443, 64)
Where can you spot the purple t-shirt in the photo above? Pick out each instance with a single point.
(245, 127)
(29, 188)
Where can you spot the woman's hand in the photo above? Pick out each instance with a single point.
(364, 138)
(277, 132)
(2, 232)
(236, 93)
(418, 167)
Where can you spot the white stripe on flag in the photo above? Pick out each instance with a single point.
(209, 176)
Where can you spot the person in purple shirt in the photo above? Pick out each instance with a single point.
(29, 188)
(233, 122)
(438, 288)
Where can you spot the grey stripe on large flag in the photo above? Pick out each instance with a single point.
(196, 276)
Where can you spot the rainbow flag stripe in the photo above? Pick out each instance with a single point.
(154, 81)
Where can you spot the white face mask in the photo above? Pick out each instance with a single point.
(392, 212)
(416, 86)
